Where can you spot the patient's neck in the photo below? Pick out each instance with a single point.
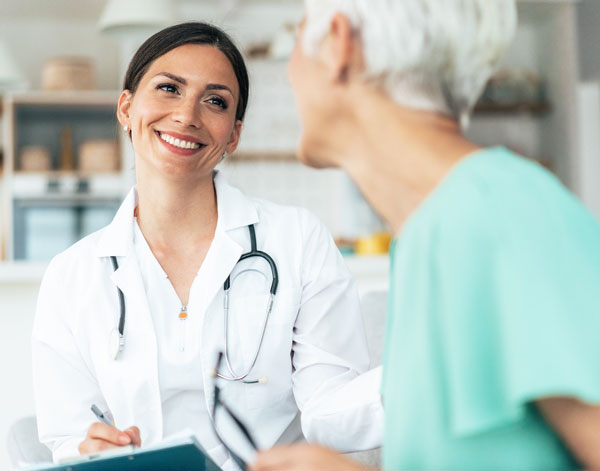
(396, 155)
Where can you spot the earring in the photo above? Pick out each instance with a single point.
(224, 156)
(125, 128)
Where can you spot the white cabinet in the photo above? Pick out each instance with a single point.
(62, 174)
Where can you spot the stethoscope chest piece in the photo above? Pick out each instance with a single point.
(116, 344)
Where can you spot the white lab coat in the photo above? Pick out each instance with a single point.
(314, 343)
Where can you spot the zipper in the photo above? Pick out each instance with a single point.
(182, 318)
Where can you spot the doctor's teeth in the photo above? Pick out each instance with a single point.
(179, 142)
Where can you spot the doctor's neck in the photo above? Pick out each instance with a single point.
(172, 212)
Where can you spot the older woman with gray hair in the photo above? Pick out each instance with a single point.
(491, 355)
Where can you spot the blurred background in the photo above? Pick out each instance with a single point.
(64, 166)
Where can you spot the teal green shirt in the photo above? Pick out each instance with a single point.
(494, 302)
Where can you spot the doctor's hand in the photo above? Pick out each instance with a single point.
(303, 457)
(101, 437)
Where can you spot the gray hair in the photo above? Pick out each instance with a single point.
(432, 55)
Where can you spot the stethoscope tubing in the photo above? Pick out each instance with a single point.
(115, 265)
(273, 291)
(243, 376)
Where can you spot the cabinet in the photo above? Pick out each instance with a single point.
(63, 176)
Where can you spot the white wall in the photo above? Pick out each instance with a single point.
(588, 13)
(589, 144)
(17, 305)
(588, 20)
(34, 40)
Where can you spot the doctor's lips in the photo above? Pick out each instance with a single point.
(179, 141)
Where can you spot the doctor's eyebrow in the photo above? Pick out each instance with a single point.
(176, 78)
(181, 80)
(218, 86)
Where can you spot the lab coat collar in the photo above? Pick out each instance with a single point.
(234, 210)
(117, 237)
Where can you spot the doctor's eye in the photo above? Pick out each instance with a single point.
(167, 87)
(220, 102)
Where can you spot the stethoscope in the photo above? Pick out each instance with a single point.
(117, 337)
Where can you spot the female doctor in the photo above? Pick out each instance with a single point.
(131, 317)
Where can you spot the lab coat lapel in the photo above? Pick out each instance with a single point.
(137, 398)
(218, 264)
(235, 211)
(139, 357)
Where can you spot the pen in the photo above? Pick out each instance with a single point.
(101, 417)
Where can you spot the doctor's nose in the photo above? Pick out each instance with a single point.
(188, 113)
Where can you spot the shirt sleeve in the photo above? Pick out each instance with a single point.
(330, 351)
(520, 313)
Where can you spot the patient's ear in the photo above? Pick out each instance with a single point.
(340, 50)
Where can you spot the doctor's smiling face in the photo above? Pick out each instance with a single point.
(182, 116)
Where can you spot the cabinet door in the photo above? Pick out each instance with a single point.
(45, 228)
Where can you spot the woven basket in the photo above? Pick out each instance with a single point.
(98, 155)
(35, 159)
(68, 73)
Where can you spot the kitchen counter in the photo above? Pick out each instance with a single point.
(371, 272)
(21, 272)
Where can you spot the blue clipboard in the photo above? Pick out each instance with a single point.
(181, 455)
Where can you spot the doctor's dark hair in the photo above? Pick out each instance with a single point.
(194, 32)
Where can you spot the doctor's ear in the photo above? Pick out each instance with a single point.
(123, 107)
(340, 50)
(234, 138)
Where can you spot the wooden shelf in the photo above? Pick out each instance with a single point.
(67, 98)
(58, 174)
(517, 107)
(268, 156)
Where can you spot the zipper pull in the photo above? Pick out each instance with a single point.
(182, 317)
